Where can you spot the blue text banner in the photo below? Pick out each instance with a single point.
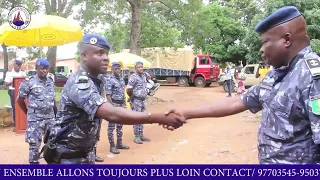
(159, 172)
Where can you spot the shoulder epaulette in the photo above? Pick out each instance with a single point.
(313, 65)
(83, 81)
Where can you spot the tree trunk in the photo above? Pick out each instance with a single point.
(52, 57)
(5, 60)
(135, 43)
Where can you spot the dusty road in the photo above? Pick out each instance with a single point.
(229, 140)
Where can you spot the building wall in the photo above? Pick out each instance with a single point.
(72, 64)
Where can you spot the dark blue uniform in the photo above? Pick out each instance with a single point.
(289, 99)
(77, 129)
(41, 104)
(115, 89)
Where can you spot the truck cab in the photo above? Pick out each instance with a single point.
(203, 72)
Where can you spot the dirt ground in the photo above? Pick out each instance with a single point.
(229, 140)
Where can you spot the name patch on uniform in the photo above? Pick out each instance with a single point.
(315, 104)
(314, 66)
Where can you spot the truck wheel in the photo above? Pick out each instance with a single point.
(200, 82)
(182, 81)
(208, 84)
(225, 87)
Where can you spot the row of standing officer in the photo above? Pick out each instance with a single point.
(71, 134)
(115, 93)
(39, 90)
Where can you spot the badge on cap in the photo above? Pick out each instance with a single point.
(93, 40)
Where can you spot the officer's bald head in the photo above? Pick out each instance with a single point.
(294, 31)
(283, 35)
(283, 42)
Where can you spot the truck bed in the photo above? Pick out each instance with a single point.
(167, 72)
(159, 72)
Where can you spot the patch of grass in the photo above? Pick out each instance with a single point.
(5, 99)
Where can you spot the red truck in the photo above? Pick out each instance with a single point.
(204, 72)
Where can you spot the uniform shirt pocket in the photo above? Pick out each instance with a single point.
(38, 93)
(281, 103)
(278, 124)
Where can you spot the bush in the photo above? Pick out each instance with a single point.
(3, 87)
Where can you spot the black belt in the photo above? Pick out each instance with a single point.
(41, 111)
(73, 155)
(118, 101)
(139, 98)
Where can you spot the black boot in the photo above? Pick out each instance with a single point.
(97, 158)
(121, 146)
(144, 139)
(119, 143)
(137, 140)
(34, 162)
(114, 150)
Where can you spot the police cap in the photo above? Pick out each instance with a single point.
(96, 40)
(116, 64)
(42, 62)
(281, 16)
(138, 63)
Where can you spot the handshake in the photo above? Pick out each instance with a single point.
(172, 119)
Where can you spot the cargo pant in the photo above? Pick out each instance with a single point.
(119, 129)
(94, 151)
(34, 133)
(139, 106)
(89, 158)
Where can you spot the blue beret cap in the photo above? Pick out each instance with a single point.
(42, 62)
(96, 40)
(138, 63)
(277, 18)
(116, 64)
(18, 62)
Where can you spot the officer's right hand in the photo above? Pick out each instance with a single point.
(172, 121)
(175, 112)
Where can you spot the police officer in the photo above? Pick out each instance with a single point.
(39, 90)
(116, 95)
(82, 106)
(288, 96)
(8, 81)
(137, 91)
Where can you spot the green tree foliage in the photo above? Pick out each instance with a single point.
(252, 41)
(219, 32)
(118, 35)
(309, 9)
(315, 44)
(157, 31)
